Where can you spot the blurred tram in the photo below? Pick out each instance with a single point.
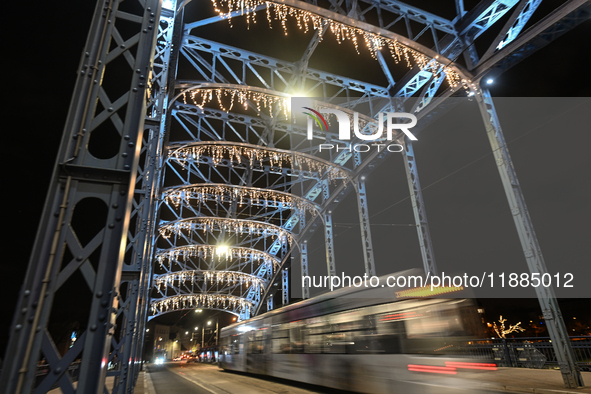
(370, 340)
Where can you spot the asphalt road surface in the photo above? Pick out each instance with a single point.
(182, 378)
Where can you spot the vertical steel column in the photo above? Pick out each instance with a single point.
(529, 242)
(81, 180)
(329, 242)
(270, 302)
(304, 262)
(138, 274)
(285, 287)
(370, 269)
(328, 238)
(418, 207)
(140, 269)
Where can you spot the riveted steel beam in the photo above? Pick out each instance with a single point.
(529, 242)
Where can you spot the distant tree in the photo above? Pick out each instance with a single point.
(502, 331)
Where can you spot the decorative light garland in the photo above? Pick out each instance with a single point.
(238, 226)
(219, 301)
(342, 32)
(202, 97)
(205, 251)
(241, 194)
(233, 277)
(257, 155)
(220, 277)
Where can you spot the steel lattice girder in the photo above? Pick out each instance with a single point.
(529, 242)
(281, 72)
(80, 185)
(560, 21)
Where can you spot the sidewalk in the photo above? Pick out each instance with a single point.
(520, 380)
(523, 380)
(144, 383)
(140, 386)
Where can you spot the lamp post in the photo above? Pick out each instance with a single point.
(217, 334)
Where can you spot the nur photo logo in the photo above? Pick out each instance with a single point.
(402, 121)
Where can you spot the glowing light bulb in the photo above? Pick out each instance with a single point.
(222, 250)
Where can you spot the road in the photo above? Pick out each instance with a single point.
(182, 378)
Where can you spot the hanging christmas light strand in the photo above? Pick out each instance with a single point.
(237, 226)
(216, 301)
(257, 155)
(215, 277)
(233, 193)
(307, 20)
(202, 97)
(182, 253)
(233, 278)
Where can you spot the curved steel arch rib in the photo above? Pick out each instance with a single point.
(235, 305)
(246, 195)
(206, 251)
(318, 17)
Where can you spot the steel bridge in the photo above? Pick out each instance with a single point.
(180, 143)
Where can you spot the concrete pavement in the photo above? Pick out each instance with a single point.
(522, 380)
(510, 380)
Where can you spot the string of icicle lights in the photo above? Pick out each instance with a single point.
(257, 155)
(210, 251)
(202, 97)
(241, 194)
(218, 301)
(237, 226)
(214, 277)
(306, 20)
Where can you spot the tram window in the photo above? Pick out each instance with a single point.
(225, 345)
(296, 342)
(255, 342)
(417, 331)
(435, 323)
(391, 334)
(235, 344)
(337, 342)
(280, 341)
(347, 333)
(386, 344)
(314, 338)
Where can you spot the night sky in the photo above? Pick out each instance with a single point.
(42, 52)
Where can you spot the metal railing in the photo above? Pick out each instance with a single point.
(529, 352)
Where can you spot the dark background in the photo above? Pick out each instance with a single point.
(41, 51)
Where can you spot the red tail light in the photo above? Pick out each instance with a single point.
(485, 366)
(432, 369)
